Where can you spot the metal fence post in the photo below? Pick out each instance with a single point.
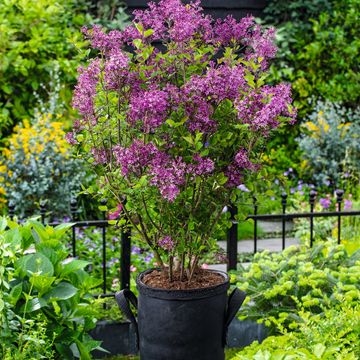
(283, 203)
(125, 259)
(232, 240)
(11, 210)
(312, 203)
(43, 211)
(103, 202)
(73, 212)
(339, 198)
(255, 224)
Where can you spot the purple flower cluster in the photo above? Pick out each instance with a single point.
(229, 31)
(167, 243)
(115, 67)
(135, 158)
(149, 108)
(85, 91)
(201, 166)
(100, 156)
(166, 173)
(262, 108)
(140, 104)
(171, 20)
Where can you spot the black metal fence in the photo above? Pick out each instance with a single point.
(232, 239)
(103, 224)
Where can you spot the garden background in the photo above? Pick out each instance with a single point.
(41, 49)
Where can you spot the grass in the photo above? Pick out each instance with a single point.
(246, 230)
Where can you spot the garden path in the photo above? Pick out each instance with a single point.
(247, 246)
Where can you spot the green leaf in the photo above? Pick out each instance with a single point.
(2, 304)
(319, 350)
(62, 291)
(139, 27)
(34, 304)
(84, 353)
(42, 283)
(15, 293)
(137, 43)
(73, 265)
(3, 223)
(189, 139)
(148, 32)
(36, 263)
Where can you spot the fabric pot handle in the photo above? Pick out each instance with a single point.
(123, 299)
(235, 301)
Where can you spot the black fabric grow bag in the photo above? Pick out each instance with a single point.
(181, 324)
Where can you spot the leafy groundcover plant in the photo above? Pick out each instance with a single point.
(331, 335)
(173, 130)
(46, 306)
(281, 285)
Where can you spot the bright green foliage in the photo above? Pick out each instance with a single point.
(39, 281)
(319, 49)
(34, 36)
(279, 285)
(333, 335)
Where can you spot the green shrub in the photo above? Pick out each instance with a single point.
(37, 165)
(319, 48)
(279, 285)
(333, 335)
(35, 36)
(39, 281)
(330, 127)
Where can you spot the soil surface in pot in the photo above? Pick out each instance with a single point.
(201, 279)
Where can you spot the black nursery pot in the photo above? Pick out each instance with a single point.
(182, 324)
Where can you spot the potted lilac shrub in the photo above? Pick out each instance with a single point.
(173, 131)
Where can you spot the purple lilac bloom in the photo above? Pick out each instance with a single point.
(325, 203)
(167, 243)
(262, 108)
(229, 30)
(327, 182)
(242, 160)
(173, 20)
(70, 138)
(168, 176)
(115, 69)
(135, 158)
(102, 41)
(149, 108)
(85, 91)
(292, 191)
(201, 166)
(100, 156)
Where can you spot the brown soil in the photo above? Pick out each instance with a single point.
(201, 279)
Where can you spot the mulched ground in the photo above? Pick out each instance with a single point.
(201, 279)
